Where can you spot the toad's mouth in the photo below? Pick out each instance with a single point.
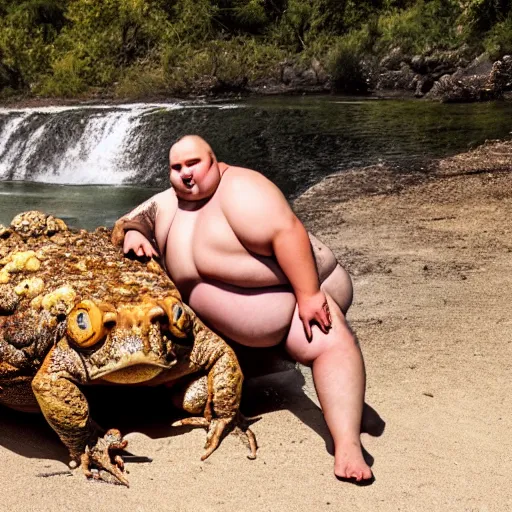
(133, 374)
(132, 369)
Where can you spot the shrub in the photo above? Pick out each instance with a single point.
(424, 26)
(139, 82)
(345, 64)
(226, 64)
(499, 40)
(66, 79)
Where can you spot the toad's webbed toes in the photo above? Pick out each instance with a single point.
(217, 428)
(102, 456)
(220, 427)
(242, 428)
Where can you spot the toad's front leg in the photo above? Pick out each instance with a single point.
(67, 411)
(217, 395)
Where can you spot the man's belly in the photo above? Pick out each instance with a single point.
(257, 317)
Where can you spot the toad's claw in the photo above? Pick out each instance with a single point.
(216, 428)
(100, 456)
(219, 427)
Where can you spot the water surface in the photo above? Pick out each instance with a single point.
(295, 141)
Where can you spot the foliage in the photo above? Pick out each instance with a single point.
(423, 27)
(481, 15)
(499, 39)
(222, 65)
(144, 47)
(346, 59)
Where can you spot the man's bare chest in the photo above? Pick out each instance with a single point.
(202, 245)
(198, 241)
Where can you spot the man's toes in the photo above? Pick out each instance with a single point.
(367, 474)
(354, 474)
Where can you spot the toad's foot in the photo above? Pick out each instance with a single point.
(110, 465)
(219, 427)
(350, 465)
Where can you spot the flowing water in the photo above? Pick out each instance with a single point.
(89, 165)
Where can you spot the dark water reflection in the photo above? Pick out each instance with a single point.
(295, 141)
(86, 206)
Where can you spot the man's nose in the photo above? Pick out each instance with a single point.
(186, 172)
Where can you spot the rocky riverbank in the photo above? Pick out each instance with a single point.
(446, 76)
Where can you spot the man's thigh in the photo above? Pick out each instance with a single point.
(305, 351)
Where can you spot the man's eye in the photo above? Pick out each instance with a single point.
(176, 167)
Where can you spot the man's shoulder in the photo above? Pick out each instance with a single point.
(167, 194)
(243, 189)
(235, 176)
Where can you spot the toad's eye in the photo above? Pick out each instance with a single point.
(82, 320)
(180, 320)
(88, 324)
(177, 311)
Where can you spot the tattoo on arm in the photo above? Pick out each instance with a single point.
(142, 219)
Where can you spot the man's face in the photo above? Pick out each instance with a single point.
(194, 173)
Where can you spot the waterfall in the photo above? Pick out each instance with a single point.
(84, 145)
(293, 141)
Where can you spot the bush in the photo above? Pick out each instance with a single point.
(65, 81)
(345, 64)
(139, 82)
(219, 64)
(499, 40)
(423, 27)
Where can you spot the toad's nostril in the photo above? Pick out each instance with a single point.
(156, 313)
(109, 319)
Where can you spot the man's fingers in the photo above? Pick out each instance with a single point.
(323, 320)
(307, 329)
(326, 312)
(324, 325)
(148, 249)
(327, 320)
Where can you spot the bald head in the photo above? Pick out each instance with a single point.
(191, 143)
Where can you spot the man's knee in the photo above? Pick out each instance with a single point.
(340, 338)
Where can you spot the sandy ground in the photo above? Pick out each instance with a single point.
(431, 259)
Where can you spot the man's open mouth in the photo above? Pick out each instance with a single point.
(188, 182)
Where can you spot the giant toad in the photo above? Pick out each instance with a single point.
(75, 312)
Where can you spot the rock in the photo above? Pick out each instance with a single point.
(403, 79)
(418, 64)
(423, 85)
(392, 61)
(287, 74)
(321, 74)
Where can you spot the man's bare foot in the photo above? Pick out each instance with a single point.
(349, 464)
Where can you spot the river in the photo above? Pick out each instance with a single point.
(89, 165)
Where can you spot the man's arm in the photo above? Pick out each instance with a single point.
(262, 219)
(144, 230)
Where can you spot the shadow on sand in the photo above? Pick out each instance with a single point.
(272, 383)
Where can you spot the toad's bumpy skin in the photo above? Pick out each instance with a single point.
(75, 312)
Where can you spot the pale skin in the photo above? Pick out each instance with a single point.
(244, 262)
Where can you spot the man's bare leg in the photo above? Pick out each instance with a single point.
(339, 376)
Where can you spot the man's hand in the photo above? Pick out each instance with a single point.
(314, 308)
(138, 243)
